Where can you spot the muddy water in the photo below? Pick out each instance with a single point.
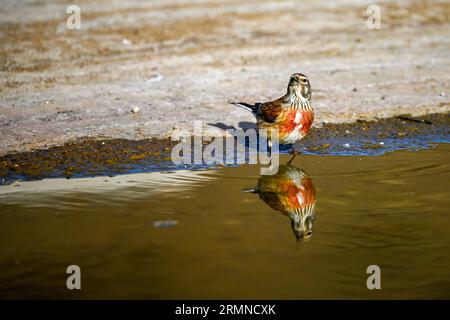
(309, 232)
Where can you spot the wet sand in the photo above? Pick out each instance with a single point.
(97, 157)
(179, 61)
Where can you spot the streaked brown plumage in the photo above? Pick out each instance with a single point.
(292, 114)
(292, 192)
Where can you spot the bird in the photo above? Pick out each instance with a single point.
(290, 191)
(291, 114)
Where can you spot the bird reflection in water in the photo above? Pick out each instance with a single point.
(292, 192)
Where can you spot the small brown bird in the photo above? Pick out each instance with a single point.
(292, 192)
(292, 114)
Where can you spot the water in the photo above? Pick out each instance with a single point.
(196, 234)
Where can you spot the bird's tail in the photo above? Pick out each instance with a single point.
(246, 106)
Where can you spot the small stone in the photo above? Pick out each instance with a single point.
(346, 145)
(155, 78)
(135, 109)
(442, 94)
(381, 143)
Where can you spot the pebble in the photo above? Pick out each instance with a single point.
(126, 42)
(135, 109)
(346, 145)
(155, 78)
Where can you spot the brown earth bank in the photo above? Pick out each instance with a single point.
(178, 61)
(90, 157)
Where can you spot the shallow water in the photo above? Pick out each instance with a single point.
(196, 234)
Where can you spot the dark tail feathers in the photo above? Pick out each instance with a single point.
(246, 106)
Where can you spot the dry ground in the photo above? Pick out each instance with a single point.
(184, 60)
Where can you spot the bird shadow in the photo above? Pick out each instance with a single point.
(244, 125)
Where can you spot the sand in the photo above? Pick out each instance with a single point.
(178, 61)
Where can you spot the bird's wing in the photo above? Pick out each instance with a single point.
(269, 111)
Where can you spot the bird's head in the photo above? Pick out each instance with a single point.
(302, 226)
(299, 84)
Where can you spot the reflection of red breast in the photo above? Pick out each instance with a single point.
(289, 190)
(299, 197)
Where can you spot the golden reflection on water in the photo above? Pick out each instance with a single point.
(290, 191)
(197, 235)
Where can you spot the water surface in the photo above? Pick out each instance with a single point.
(196, 234)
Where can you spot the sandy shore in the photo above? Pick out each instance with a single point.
(178, 61)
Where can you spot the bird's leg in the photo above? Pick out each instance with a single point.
(292, 158)
(294, 153)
